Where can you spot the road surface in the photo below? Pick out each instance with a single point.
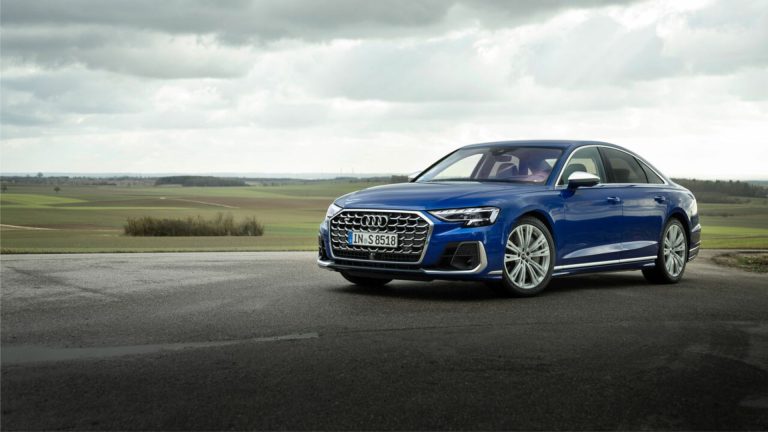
(269, 341)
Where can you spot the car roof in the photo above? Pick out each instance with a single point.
(542, 143)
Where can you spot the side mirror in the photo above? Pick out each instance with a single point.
(582, 179)
(412, 176)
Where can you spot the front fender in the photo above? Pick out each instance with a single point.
(547, 206)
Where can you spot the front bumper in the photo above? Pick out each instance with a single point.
(453, 252)
(413, 272)
(695, 243)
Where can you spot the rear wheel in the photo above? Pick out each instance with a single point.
(365, 281)
(528, 258)
(673, 255)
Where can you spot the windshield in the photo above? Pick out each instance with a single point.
(495, 164)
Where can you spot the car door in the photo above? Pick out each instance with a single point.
(644, 204)
(589, 231)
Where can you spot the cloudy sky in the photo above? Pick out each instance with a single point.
(377, 86)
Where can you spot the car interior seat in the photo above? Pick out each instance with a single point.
(507, 170)
(621, 175)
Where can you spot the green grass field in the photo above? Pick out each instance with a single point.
(91, 218)
(735, 226)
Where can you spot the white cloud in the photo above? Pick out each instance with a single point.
(682, 82)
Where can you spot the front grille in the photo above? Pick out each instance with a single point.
(411, 228)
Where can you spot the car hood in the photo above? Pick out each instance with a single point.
(434, 195)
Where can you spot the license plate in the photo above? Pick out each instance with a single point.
(359, 238)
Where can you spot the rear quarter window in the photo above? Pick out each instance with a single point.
(653, 178)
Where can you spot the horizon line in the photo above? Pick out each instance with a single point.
(284, 175)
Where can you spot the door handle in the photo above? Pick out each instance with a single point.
(661, 199)
(614, 200)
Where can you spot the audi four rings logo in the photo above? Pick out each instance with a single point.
(375, 220)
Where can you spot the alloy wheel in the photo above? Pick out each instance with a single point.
(674, 250)
(527, 256)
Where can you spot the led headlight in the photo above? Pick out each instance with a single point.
(472, 217)
(332, 211)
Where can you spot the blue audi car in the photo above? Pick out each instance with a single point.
(516, 214)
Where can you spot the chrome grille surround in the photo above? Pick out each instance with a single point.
(413, 230)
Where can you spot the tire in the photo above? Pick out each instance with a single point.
(529, 258)
(673, 255)
(365, 281)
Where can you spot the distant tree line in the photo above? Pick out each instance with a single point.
(722, 191)
(55, 180)
(76, 181)
(128, 180)
(188, 181)
(712, 191)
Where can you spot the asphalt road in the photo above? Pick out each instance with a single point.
(269, 341)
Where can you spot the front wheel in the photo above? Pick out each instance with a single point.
(673, 255)
(528, 258)
(365, 281)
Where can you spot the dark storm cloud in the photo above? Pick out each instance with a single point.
(232, 20)
(243, 20)
(200, 38)
(153, 55)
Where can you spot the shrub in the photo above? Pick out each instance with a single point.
(221, 225)
(250, 227)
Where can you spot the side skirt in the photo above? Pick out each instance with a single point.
(631, 263)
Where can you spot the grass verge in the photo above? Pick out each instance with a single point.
(90, 219)
(751, 261)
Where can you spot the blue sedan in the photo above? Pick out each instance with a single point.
(515, 214)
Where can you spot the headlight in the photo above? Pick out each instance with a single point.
(333, 210)
(472, 217)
